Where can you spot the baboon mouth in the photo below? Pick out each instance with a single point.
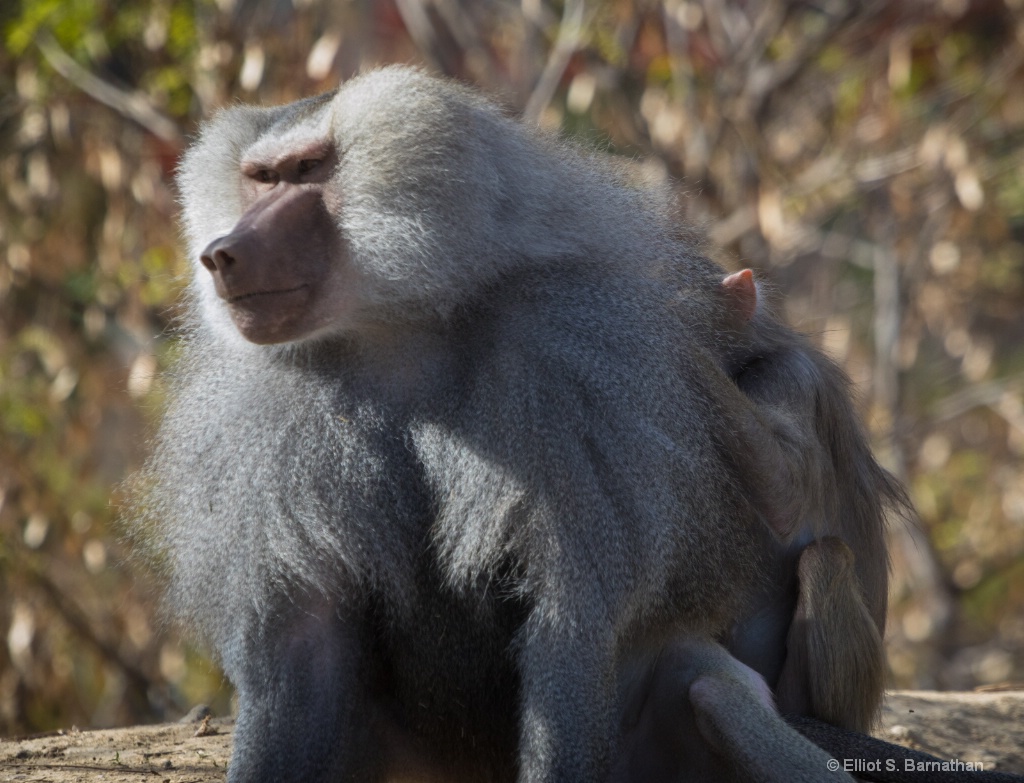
(237, 298)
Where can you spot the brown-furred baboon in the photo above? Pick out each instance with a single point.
(472, 464)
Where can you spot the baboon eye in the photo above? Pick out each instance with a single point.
(266, 176)
(308, 164)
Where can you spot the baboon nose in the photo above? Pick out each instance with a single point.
(217, 256)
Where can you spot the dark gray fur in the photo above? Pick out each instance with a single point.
(446, 529)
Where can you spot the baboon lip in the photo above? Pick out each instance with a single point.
(240, 298)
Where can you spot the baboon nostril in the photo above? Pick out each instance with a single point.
(216, 258)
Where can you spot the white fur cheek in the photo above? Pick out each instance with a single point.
(212, 310)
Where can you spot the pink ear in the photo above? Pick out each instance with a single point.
(742, 292)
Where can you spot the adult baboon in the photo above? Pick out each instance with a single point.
(465, 470)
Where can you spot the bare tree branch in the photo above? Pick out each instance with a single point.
(570, 34)
(132, 104)
(979, 395)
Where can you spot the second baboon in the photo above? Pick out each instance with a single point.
(826, 498)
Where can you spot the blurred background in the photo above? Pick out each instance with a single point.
(866, 157)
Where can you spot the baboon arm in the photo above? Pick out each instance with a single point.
(565, 675)
(706, 717)
(734, 713)
(298, 692)
(834, 666)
